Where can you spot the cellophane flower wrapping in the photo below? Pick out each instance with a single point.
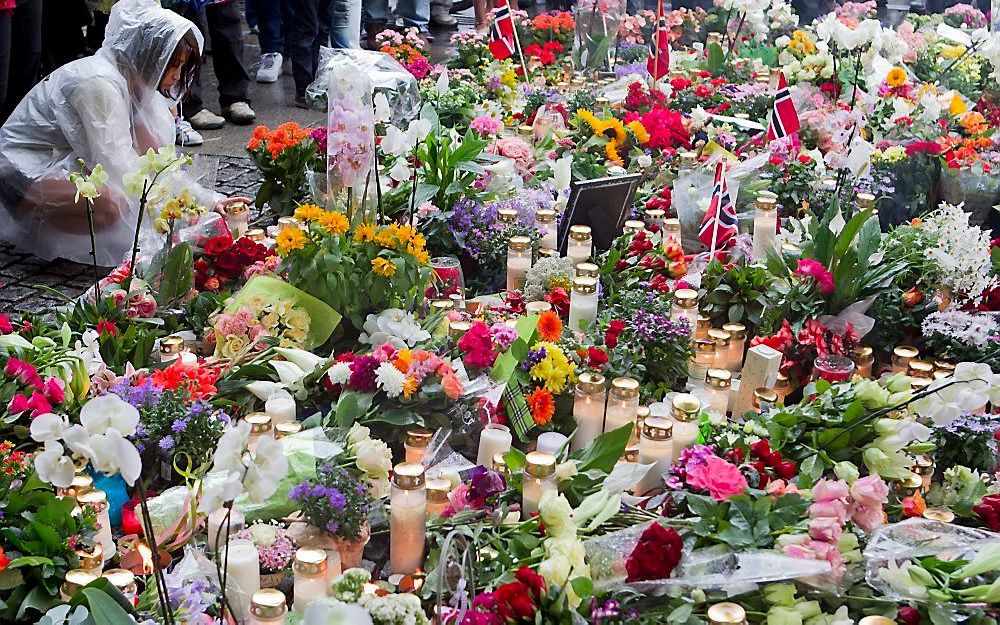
(350, 145)
(597, 23)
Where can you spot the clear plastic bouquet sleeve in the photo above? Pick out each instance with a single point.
(891, 546)
(385, 73)
(710, 568)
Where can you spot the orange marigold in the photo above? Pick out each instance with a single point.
(549, 326)
(541, 404)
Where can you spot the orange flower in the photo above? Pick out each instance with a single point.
(452, 385)
(4, 560)
(409, 387)
(541, 404)
(403, 359)
(914, 506)
(549, 326)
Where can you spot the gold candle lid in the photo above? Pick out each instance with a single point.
(309, 561)
(457, 329)
(923, 465)
(237, 209)
(630, 454)
(519, 244)
(766, 203)
(864, 200)
(419, 437)
(287, 222)
(255, 234)
(719, 378)
(91, 559)
(587, 270)
(903, 354)
(944, 365)
(260, 422)
(919, 383)
(726, 613)
(507, 215)
(545, 216)
(580, 233)
(408, 476)
(686, 298)
(641, 413)
(440, 305)
(524, 130)
(548, 252)
(96, 499)
(704, 323)
(121, 579)
(540, 464)
(863, 355)
(737, 331)
(920, 368)
(626, 388)
(721, 337)
(939, 374)
(577, 82)
(500, 465)
(537, 307)
(655, 214)
(601, 102)
(657, 429)
(585, 285)
(781, 382)
(763, 394)
(75, 580)
(81, 483)
(268, 603)
(171, 345)
(688, 158)
(286, 428)
(939, 514)
(672, 225)
(685, 407)
(634, 225)
(591, 383)
(705, 346)
(910, 483)
(438, 489)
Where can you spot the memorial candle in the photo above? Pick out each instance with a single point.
(260, 426)
(765, 220)
(702, 360)
(901, 357)
(539, 478)
(623, 404)
(583, 304)
(588, 409)
(545, 223)
(495, 439)
(437, 496)
(863, 360)
(217, 526)
(518, 262)
(685, 410)
(407, 519)
(580, 244)
(415, 444)
(98, 500)
(309, 568)
(737, 343)
(242, 574)
(685, 307)
(267, 607)
(656, 448)
(280, 407)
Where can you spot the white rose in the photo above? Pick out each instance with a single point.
(557, 515)
(374, 458)
(263, 534)
(555, 570)
(357, 434)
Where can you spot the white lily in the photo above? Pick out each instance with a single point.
(263, 390)
(307, 361)
(289, 373)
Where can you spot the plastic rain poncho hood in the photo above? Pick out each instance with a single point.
(102, 109)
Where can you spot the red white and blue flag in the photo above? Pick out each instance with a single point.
(502, 32)
(658, 63)
(719, 226)
(784, 118)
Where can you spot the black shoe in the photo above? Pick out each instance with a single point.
(300, 102)
(461, 5)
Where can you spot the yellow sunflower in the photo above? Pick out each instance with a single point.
(290, 239)
(895, 77)
(591, 119)
(639, 131)
(364, 233)
(308, 212)
(383, 267)
(333, 222)
(614, 130)
(612, 151)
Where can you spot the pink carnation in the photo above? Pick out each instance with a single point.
(815, 270)
(721, 479)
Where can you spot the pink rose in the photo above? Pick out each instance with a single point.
(870, 491)
(803, 551)
(867, 517)
(777, 488)
(721, 479)
(825, 528)
(53, 391)
(830, 553)
(827, 490)
(834, 509)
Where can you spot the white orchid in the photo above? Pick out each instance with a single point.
(895, 434)
(109, 411)
(235, 470)
(53, 466)
(229, 451)
(48, 427)
(395, 326)
(970, 387)
(383, 112)
(269, 465)
(88, 349)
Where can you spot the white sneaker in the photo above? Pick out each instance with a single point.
(270, 67)
(240, 113)
(207, 120)
(185, 135)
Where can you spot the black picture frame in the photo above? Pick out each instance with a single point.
(603, 204)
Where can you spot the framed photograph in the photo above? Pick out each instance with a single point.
(602, 204)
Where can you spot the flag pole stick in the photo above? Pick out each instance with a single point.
(517, 43)
(656, 43)
(718, 211)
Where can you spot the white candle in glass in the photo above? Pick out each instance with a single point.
(333, 565)
(437, 496)
(723, 340)
(588, 409)
(685, 410)
(260, 426)
(407, 519)
(518, 262)
(765, 225)
(415, 444)
(685, 307)
(580, 245)
(716, 391)
(98, 500)
(672, 230)
(701, 362)
(655, 448)
(495, 439)
(217, 526)
(242, 575)
(267, 607)
(539, 478)
(737, 343)
(75, 580)
(92, 561)
(901, 357)
(655, 217)
(583, 304)
(311, 580)
(545, 223)
(550, 442)
(281, 408)
(623, 404)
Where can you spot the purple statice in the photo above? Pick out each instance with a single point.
(631, 69)
(652, 327)
(973, 424)
(166, 443)
(534, 357)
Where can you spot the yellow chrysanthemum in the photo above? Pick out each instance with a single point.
(364, 233)
(952, 52)
(333, 222)
(385, 238)
(555, 370)
(290, 239)
(639, 131)
(612, 153)
(409, 386)
(383, 267)
(308, 212)
(895, 77)
(421, 256)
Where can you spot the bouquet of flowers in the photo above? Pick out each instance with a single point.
(283, 156)
(226, 260)
(405, 48)
(275, 548)
(334, 501)
(241, 330)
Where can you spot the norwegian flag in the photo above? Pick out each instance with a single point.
(502, 32)
(718, 227)
(658, 63)
(784, 118)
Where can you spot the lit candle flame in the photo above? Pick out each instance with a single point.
(147, 557)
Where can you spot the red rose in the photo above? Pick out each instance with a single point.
(212, 284)
(656, 554)
(534, 581)
(598, 358)
(201, 266)
(249, 251)
(610, 340)
(218, 245)
(228, 264)
(907, 615)
(5, 325)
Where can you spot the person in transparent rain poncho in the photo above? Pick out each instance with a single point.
(106, 109)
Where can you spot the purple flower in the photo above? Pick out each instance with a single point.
(337, 499)
(178, 426)
(534, 357)
(363, 373)
(166, 443)
(485, 486)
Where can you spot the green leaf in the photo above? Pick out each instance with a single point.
(176, 278)
(605, 451)
(681, 613)
(28, 561)
(582, 586)
(104, 609)
(515, 459)
(812, 466)
(716, 57)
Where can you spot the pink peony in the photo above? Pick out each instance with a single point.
(825, 528)
(870, 491)
(815, 270)
(721, 479)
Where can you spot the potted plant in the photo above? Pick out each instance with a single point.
(336, 503)
(275, 549)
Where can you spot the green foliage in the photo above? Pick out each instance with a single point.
(133, 339)
(750, 521)
(736, 295)
(176, 278)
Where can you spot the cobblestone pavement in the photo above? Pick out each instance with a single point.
(21, 274)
